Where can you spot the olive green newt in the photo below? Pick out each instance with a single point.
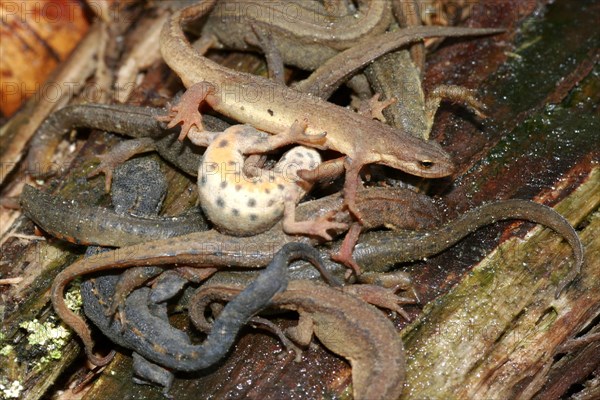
(143, 323)
(87, 225)
(316, 40)
(377, 251)
(343, 323)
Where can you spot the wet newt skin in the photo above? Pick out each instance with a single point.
(145, 328)
(395, 208)
(87, 225)
(347, 132)
(305, 33)
(342, 322)
(377, 251)
(132, 121)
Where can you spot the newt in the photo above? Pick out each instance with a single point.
(130, 194)
(315, 41)
(343, 323)
(394, 208)
(144, 324)
(273, 108)
(242, 205)
(148, 333)
(377, 251)
(87, 225)
(132, 121)
(305, 33)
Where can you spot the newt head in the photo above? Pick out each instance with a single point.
(426, 159)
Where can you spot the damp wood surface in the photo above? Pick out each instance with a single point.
(488, 327)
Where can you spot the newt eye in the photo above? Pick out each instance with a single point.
(426, 163)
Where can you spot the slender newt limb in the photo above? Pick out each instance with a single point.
(343, 323)
(264, 40)
(305, 33)
(347, 132)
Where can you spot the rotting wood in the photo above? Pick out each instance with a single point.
(501, 325)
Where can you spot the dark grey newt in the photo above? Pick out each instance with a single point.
(144, 325)
(188, 357)
(377, 251)
(82, 224)
(342, 322)
(100, 226)
(395, 208)
(144, 197)
(132, 121)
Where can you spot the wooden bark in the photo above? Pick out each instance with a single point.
(486, 331)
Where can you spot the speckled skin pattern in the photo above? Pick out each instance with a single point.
(242, 205)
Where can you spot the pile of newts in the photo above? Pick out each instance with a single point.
(250, 246)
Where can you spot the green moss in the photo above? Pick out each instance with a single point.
(6, 350)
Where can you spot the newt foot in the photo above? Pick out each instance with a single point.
(186, 111)
(118, 155)
(297, 134)
(381, 297)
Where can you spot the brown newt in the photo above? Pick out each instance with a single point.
(394, 208)
(274, 108)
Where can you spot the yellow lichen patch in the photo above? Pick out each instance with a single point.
(47, 336)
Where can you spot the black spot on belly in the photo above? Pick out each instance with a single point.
(280, 186)
(223, 184)
(271, 113)
(235, 211)
(203, 180)
(310, 155)
(223, 143)
(220, 202)
(252, 203)
(253, 217)
(300, 155)
(267, 191)
(270, 203)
